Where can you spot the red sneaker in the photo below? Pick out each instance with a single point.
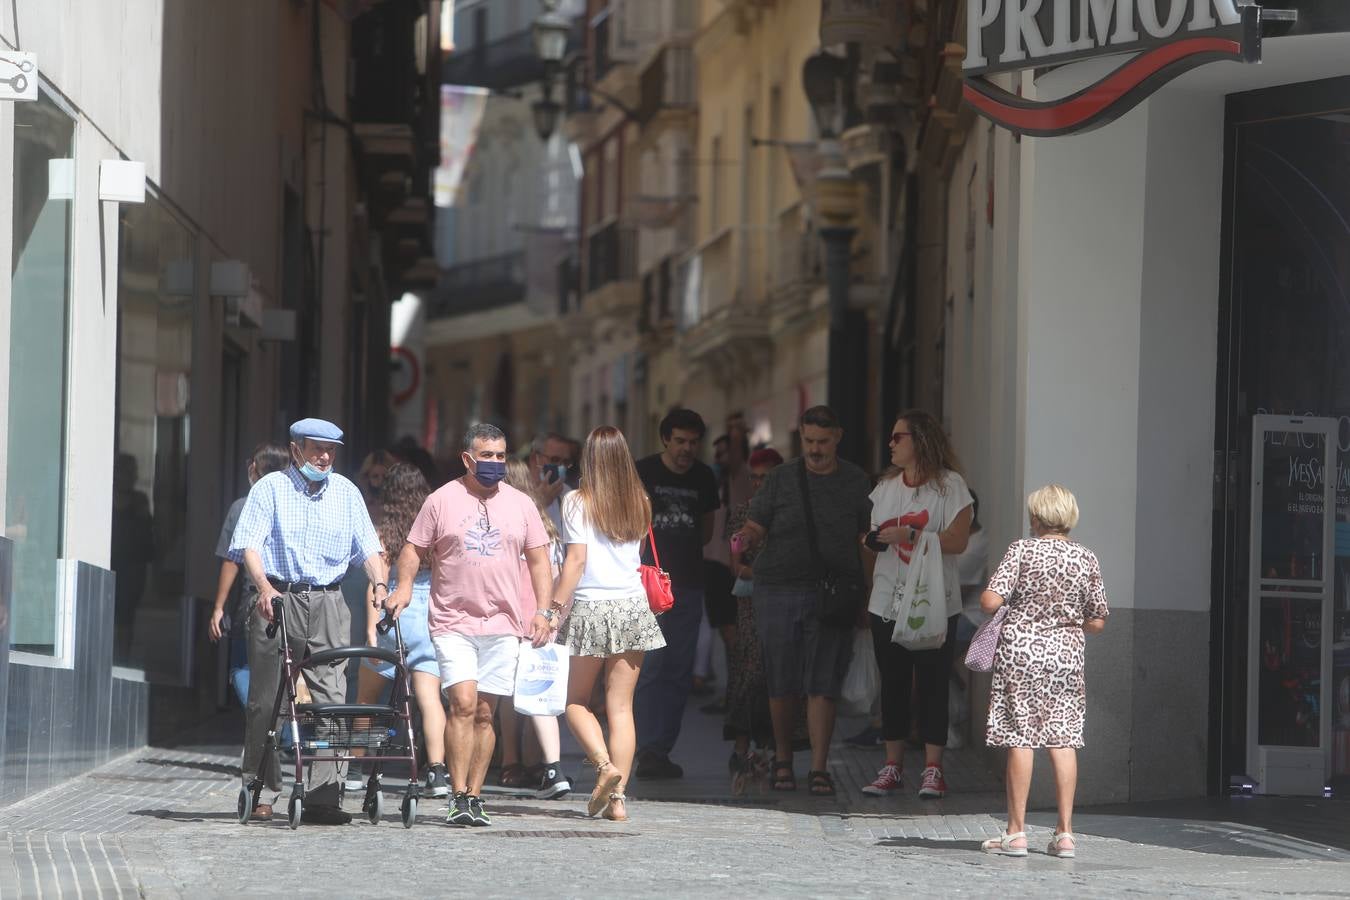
(934, 786)
(887, 780)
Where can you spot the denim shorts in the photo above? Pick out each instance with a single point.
(801, 656)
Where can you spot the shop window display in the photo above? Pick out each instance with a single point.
(157, 275)
(44, 187)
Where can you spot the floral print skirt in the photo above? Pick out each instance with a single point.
(611, 627)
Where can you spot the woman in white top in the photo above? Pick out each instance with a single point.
(610, 625)
(922, 492)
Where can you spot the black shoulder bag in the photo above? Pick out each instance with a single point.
(841, 593)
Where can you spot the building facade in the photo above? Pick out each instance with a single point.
(150, 344)
(490, 339)
(1152, 314)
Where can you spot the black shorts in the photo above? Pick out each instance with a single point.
(717, 598)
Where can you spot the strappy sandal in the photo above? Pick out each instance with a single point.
(513, 776)
(1003, 844)
(605, 784)
(1063, 852)
(620, 815)
(820, 784)
(783, 779)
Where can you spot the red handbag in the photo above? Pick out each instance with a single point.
(656, 581)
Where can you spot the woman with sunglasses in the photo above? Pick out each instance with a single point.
(923, 491)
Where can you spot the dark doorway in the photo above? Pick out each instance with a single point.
(1284, 333)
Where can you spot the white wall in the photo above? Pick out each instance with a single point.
(1178, 351)
(1081, 267)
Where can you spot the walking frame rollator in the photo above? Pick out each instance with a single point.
(374, 734)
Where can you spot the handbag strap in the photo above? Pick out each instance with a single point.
(810, 519)
(651, 542)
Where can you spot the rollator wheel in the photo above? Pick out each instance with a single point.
(409, 811)
(295, 809)
(375, 806)
(245, 805)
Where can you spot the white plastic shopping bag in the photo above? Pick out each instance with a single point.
(919, 606)
(541, 680)
(863, 681)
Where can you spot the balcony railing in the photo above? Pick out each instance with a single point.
(602, 58)
(658, 296)
(479, 285)
(569, 283)
(611, 255)
(668, 81)
(796, 253)
(705, 279)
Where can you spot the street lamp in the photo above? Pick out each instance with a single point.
(550, 34)
(546, 111)
(823, 79)
(551, 31)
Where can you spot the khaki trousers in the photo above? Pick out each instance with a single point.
(315, 621)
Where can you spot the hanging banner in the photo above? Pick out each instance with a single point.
(1169, 37)
(461, 117)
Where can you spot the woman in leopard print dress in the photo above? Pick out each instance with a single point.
(1053, 589)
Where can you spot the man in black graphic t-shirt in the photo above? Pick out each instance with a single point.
(684, 498)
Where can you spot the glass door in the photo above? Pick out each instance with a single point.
(1289, 693)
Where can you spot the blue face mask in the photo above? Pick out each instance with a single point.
(309, 471)
(489, 471)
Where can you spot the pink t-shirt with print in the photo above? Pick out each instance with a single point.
(475, 558)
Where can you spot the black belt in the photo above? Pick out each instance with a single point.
(301, 587)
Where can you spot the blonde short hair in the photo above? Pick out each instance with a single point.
(1055, 507)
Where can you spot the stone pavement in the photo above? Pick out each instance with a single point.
(161, 823)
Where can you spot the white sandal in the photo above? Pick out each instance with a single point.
(1003, 844)
(1062, 852)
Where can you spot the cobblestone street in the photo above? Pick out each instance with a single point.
(160, 823)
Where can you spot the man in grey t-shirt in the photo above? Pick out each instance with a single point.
(801, 654)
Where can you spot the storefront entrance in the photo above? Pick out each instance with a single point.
(1281, 640)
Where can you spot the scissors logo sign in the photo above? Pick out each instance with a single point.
(18, 75)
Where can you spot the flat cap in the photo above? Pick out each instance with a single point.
(317, 429)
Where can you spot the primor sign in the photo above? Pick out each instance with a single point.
(1168, 37)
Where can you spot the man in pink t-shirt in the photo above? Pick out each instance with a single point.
(473, 532)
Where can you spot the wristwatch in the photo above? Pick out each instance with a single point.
(548, 614)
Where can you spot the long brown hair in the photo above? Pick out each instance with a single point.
(405, 490)
(520, 477)
(613, 499)
(933, 453)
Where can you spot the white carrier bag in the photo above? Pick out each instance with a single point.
(919, 607)
(541, 680)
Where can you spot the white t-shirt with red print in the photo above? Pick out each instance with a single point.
(932, 506)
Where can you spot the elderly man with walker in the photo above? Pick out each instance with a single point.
(298, 533)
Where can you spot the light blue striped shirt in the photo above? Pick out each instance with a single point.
(305, 537)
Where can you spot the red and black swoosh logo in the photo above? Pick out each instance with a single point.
(1108, 99)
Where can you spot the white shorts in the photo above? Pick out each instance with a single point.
(489, 659)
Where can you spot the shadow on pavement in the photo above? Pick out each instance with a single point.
(1237, 826)
(200, 765)
(183, 816)
(929, 844)
(552, 812)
